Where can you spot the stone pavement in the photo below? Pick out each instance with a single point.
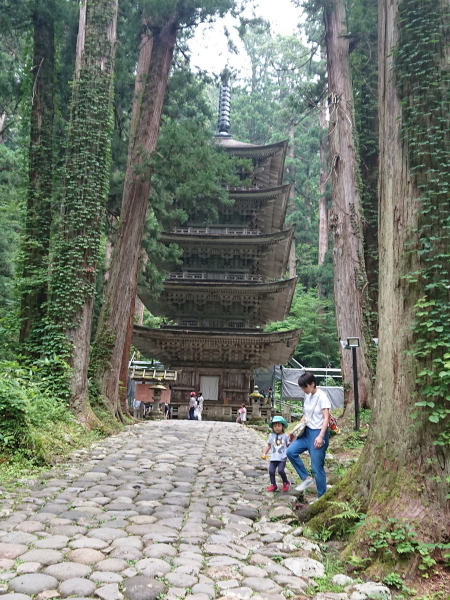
(165, 509)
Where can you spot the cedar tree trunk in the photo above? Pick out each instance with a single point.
(77, 247)
(323, 180)
(38, 218)
(401, 472)
(350, 281)
(120, 294)
(401, 476)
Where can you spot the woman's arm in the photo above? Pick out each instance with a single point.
(318, 442)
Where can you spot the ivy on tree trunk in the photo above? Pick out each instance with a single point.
(38, 217)
(86, 184)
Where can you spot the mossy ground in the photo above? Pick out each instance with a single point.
(52, 442)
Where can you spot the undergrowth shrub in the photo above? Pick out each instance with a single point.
(34, 423)
(13, 407)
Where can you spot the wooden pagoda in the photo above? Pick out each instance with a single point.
(236, 277)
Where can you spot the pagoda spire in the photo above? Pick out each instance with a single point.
(224, 107)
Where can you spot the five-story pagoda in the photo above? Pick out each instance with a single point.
(236, 276)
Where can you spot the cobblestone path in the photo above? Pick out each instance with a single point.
(167, 509)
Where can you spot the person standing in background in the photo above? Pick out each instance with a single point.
(200, 401)
(192, 406)
(136, 409)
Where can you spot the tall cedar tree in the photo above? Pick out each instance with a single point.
(38, 217)
(76, 251)
(350, 280)
(160, 25)
(402, 476)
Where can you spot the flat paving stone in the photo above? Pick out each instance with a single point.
(18, 537)
(12, 551)
(28, 567)
(106, 577)
(54, 542)
(126, 553)
(85, 542)
(86, 556)
(106, 534)
(76, 587)
(143, 588)
(33, 584)
(67, 570)
(45, 557)
(114, 565)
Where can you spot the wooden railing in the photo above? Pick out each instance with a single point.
(202, 275)
(216, 230)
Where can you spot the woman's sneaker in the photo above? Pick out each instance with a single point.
(286, 486)
(272, 488)
(306, 483)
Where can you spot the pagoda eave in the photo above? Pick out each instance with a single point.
(269, 159)
(275, 246)
(215, 348)
(257, 303)
(271, 205)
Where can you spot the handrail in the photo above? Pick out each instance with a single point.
(199, 275)
(216, 230)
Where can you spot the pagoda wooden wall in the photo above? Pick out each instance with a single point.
(234, 385)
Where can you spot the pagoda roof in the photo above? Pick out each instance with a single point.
(222, 349)
(270, 250)
(270, 203)
(256, 303)
(269, 159)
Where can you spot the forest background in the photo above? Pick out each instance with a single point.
(366, 110)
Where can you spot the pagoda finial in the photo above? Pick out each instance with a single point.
(224, 105)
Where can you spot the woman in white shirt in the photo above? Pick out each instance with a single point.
(315, 439)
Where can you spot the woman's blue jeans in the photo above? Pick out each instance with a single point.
(317, 455)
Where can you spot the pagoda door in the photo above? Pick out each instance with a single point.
(209, 386)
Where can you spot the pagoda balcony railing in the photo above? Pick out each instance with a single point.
(217, 230)
(204, 275)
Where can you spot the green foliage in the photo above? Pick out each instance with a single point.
(13, 408)
(317, 346)
(398, 540)
(348, 520)
(76, 249)
(28, 410)
(10, 197)
(356, 439)
(423, 78)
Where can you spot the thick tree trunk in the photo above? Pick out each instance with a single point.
(86, 187)
(120, 291)
(401, 477)
(399, 460)
(323, 181)
(81, 335)
(36, 240)
(350, 281)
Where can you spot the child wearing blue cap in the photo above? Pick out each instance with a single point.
(277, 444)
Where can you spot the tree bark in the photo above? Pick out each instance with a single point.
(350, 281)
(86, 187)
(38, 219)
(401, 476)
(120, 291)
(398, 460)
(323, 181)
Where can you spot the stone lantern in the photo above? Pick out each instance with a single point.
(157, 393)
(256, 398)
